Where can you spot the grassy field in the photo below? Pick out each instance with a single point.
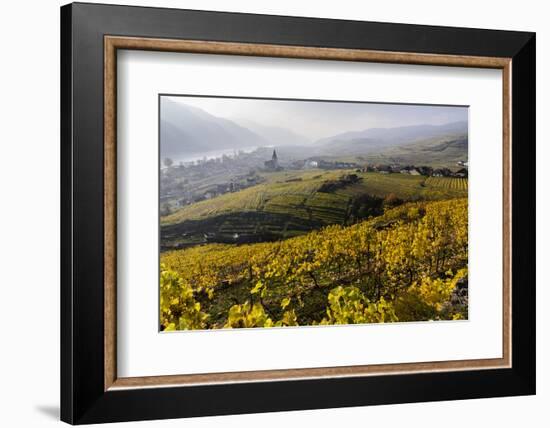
(290, 203)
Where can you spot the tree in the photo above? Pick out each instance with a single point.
(168, 162)
(391, 201)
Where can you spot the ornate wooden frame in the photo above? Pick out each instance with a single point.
(91, 390)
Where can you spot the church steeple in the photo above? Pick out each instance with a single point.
(273, 164)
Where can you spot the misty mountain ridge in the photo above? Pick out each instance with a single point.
(188, 130)
(276, 135)
(185, 129)
(381, 138)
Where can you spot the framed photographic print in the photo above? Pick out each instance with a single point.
(265, 213)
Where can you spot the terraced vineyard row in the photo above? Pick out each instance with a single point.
(292, 203)
(450, 183)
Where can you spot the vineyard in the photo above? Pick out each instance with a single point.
(290, 204)
(448, 183)
(408, 264)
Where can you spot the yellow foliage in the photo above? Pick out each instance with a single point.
(178, 308)
(247, 316)
(402, 265)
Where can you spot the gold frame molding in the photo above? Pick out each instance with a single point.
(113, 43)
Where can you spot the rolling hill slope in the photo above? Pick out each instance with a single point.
(380, 139)
(293, 203)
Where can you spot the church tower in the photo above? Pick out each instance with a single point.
(273, 164)
(274, 159)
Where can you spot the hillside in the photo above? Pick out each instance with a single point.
(409, 264)
(293, 203)
(436, 152)
(276, 135)
(186, 130)
(380, 139)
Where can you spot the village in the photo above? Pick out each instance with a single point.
(185, 184)
(312, 163)
(418, 170)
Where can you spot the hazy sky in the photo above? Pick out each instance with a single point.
(314, 119)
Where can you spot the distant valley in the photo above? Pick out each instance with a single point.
(186, 130)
